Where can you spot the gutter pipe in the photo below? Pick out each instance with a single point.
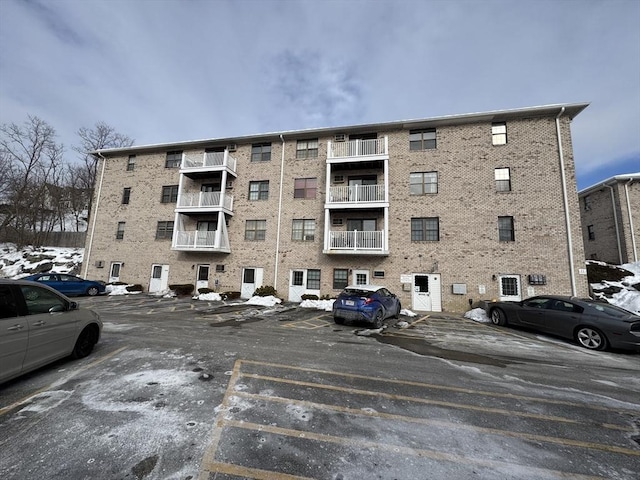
(277, 255)
(87, 255)
(633, 236)
(615, 221)
(565, 199)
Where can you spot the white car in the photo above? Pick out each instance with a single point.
(39, 325)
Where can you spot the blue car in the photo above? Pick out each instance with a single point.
(68, 284)
(369, 303)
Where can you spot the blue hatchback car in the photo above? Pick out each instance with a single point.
(68, 284)
(368, 303)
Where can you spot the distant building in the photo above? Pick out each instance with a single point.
(610, 212)
(443, 211)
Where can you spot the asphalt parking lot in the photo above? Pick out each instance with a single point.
(185, 389)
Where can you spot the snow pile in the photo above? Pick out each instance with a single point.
(628, 297)
(268, 301)
(478, 315)
(20, 263)
(408, 313)
(119, 290)
(210, 297)
(326, 305)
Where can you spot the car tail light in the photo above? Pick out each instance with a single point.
(368, 300)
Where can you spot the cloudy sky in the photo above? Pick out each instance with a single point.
(167, 70)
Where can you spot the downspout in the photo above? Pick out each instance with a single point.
(87, 254)
(277, 256)
(633, 236)
(565, 199)
(615, 221)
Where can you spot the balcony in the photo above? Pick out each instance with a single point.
(204, 202)
(356, 195)
(355, 242)
(375, 149)
(208, 162)
(201, 241)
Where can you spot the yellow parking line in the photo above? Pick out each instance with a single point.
(400, 449)
(24, 400)
(443, 423)
(247, 472)
(511, 396)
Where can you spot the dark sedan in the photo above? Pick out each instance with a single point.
(369, 303)
(68, 284)
(591, 324)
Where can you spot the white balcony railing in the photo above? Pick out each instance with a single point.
(356, 194)
(209, 160)
(205, 200)
(356, 241)
(358, 148)
(200, 240)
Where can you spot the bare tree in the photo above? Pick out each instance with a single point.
(100, 137)
(29, 160)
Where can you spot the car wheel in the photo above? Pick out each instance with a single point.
(85, 343)
(398, 312)
(591, 338)
(378, 318)
(498, 317)
(339, 320)
(92, 291)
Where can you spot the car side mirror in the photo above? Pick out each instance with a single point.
(73, 306)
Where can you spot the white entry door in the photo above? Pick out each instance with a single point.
(251, 279)
(159, 278)
(202, 280)
(426, 295)
(361, 277)
(297, 285)
(114, 272)
(510, 288)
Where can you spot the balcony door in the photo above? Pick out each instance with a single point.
(206, 232)
(357, 193)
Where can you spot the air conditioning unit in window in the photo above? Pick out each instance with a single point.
(229, 184)
(308, 238)
(338, 179)
(232, 147)
(340, 137)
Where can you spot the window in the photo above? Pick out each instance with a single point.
(509, 287)
(305, 188)
(164, 230)
(505, 229)
(39, 300)
(425, 229)
(255, 230)
(303, 230)
(503, 179)
(587, 203)
(169, 194)
(220, 268)
(378, 274)
(307, 148)
(421, 183)
(422, 139)
(120, 231)
(259, 190)
(131, 164)
(340, 278)
(591, 232)
(174, 159)
(260, 152)
(499, 133)
(313, 279)
(126, 195)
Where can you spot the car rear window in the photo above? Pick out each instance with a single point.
(611, 310)
(357, 292)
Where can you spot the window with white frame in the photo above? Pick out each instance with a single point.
(303, 230)
(259, 190)
(307, 148)
(503, 179)
(499, 133)
(422, 183)
(120, 231)
(131, 163)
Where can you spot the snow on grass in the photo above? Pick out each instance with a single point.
(268, 301)
(210, 297)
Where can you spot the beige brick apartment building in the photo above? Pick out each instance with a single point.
(610, 222)
(443, 211)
